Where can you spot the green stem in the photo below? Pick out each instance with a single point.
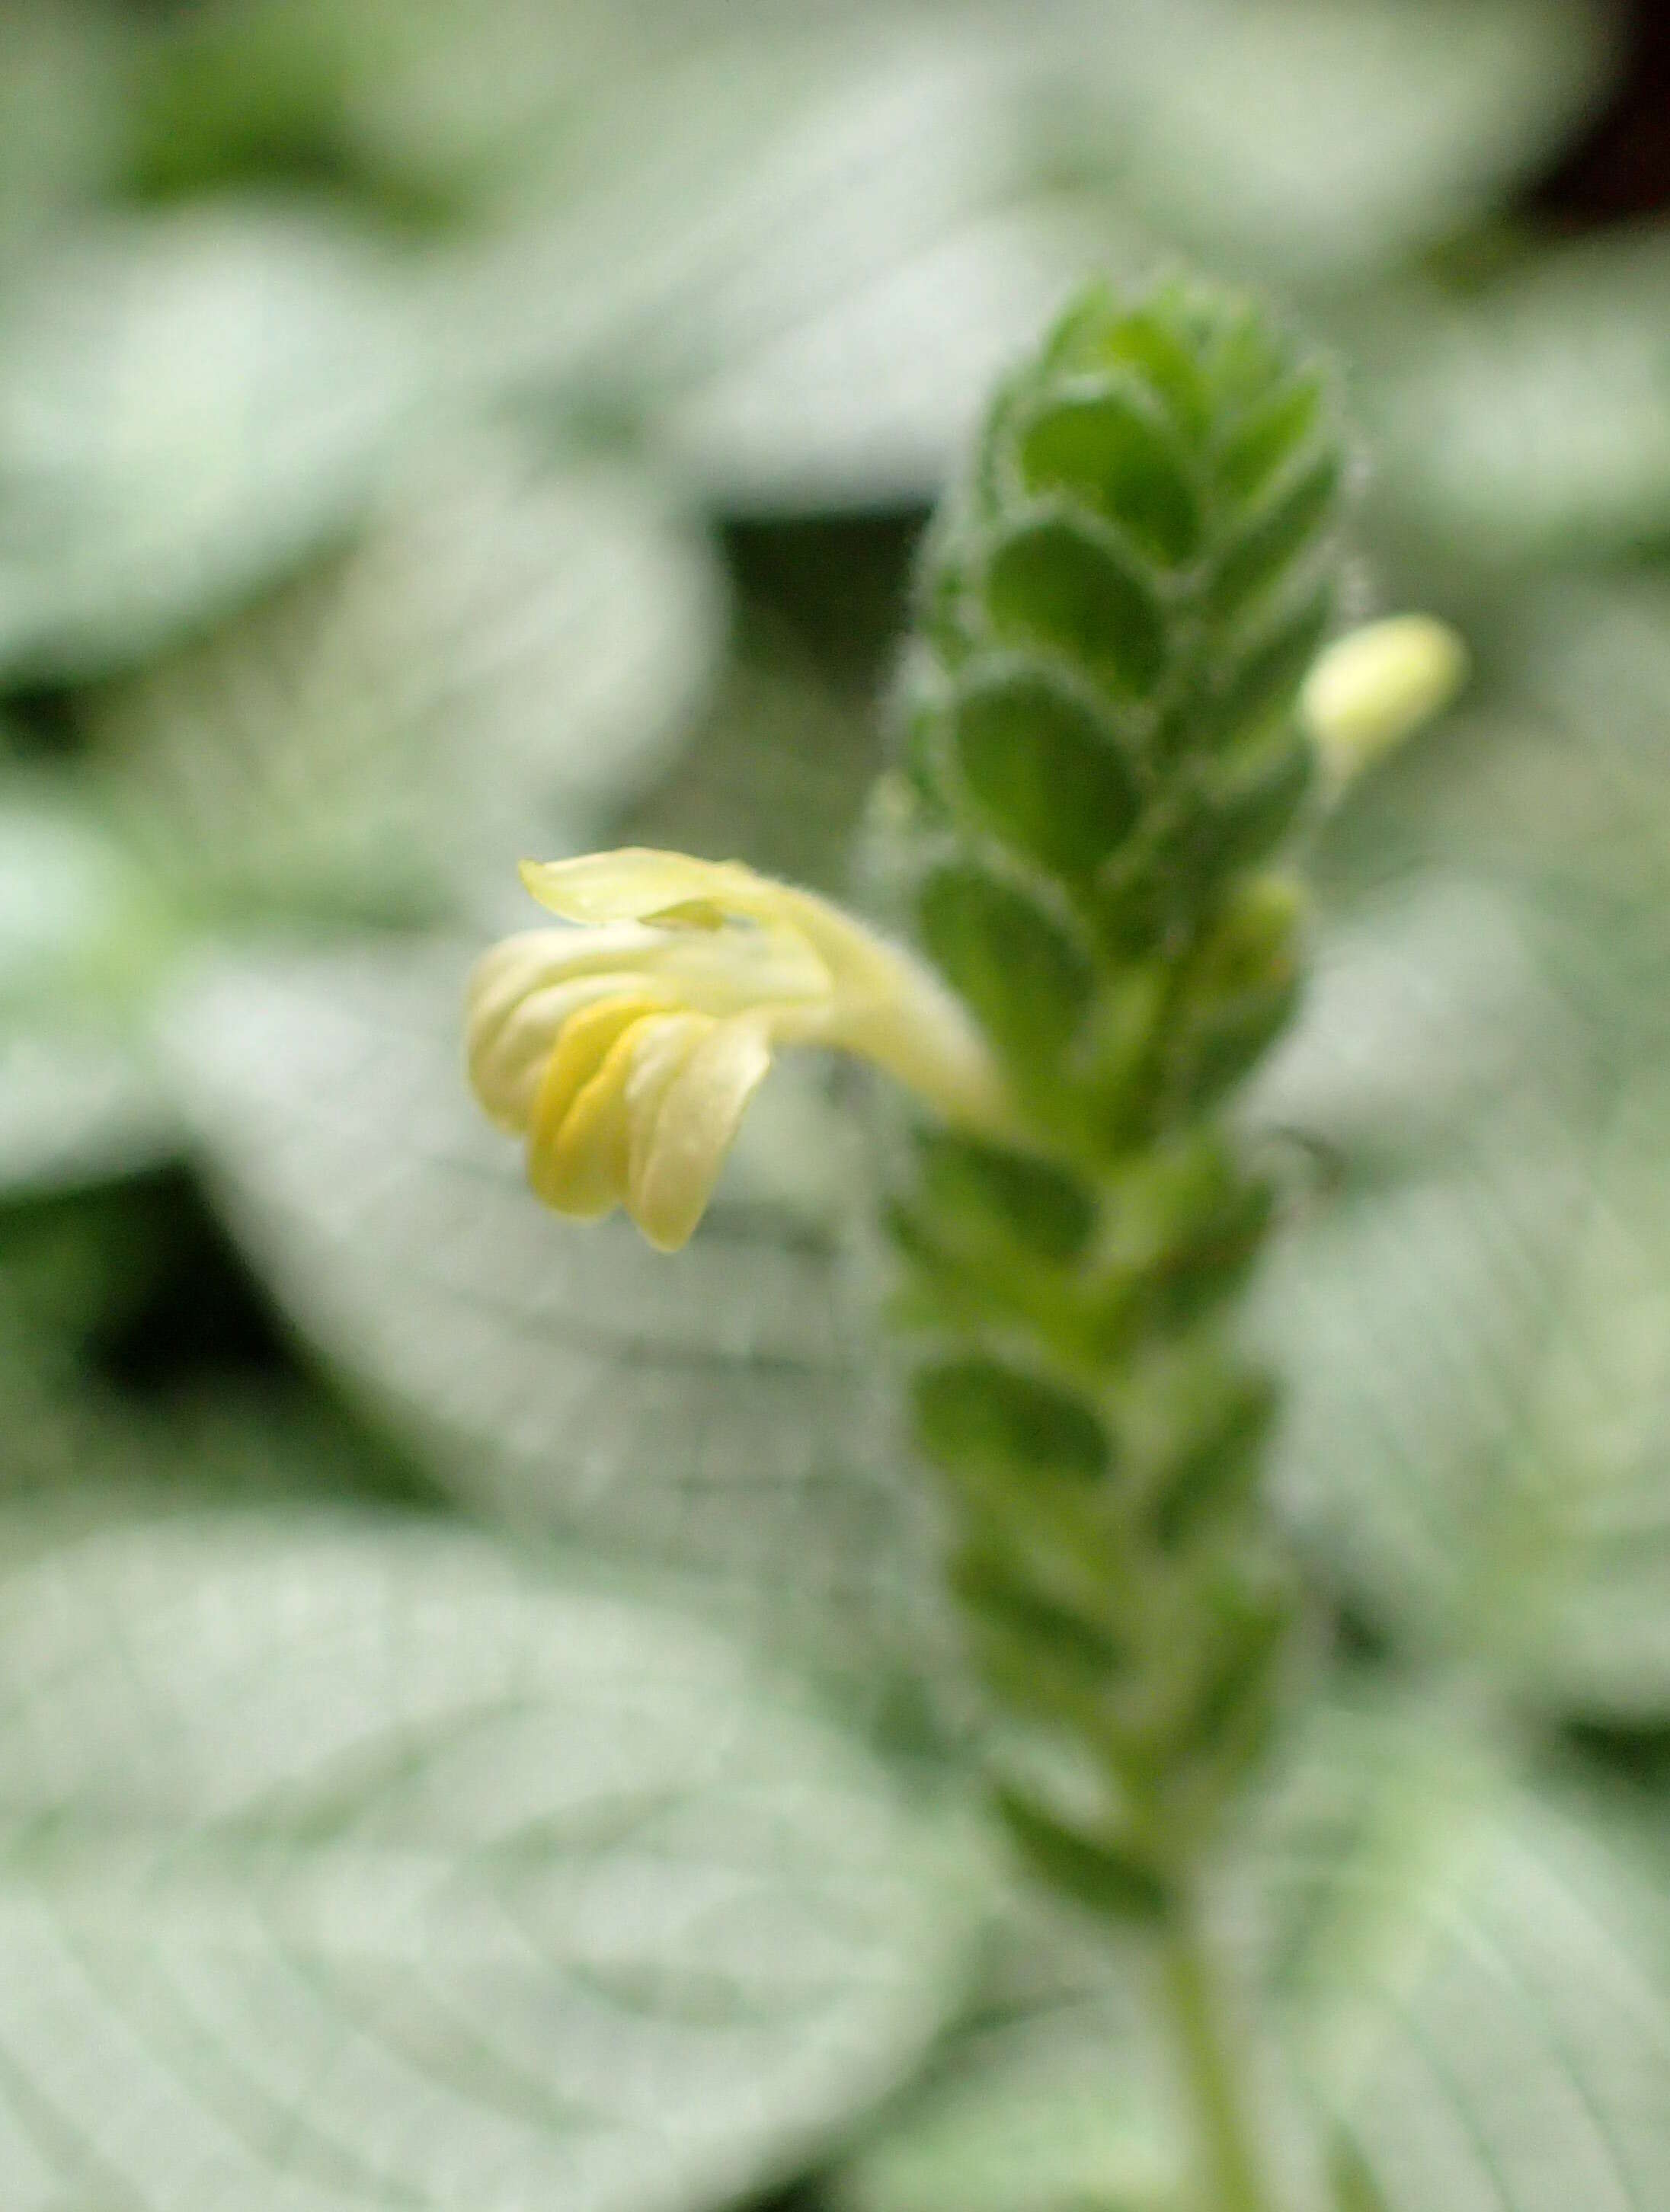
(1230, 2180)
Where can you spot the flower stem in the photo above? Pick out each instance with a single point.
(1227, 2163)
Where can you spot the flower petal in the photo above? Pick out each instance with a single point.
(1374, 687)
(661, 1056)
(693, 1128)
(534, 957)
(584, 1171)
(841, 982)
(636, 882)
(507, 1045)
(628, 1048)
(581, 1051)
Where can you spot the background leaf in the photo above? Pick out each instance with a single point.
(707, 1409)
(848, 228)
(1471, 1972)
(82, 931)
(1317, 139)
(750, 180)
(61, 77)
(1533, 422)
(369, 379)
(1050, 2095)
(503, 658)
(189, 404)
(1483, 1994)
(77, 1103)
(430, 110)
(344, 1863)
(1470, 1307)
(864, 401)
(77, 916)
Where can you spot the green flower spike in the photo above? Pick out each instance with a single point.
(1114, 727)
(1103, 778)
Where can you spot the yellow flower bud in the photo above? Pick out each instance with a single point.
(625, 1046)
(1375, 686)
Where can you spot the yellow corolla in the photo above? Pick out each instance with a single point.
(625, 1045)
(1375, 686)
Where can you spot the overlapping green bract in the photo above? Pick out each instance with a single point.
(1100, 765)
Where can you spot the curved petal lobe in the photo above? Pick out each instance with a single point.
(693, 1129)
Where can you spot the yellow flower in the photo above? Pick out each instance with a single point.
(1375, 686)
(626, 1049)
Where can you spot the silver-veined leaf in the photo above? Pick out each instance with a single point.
(710, 1408)
(347, 1863)
(1469, 1972)
(83, 936)
(1477, 1966)
(1470, 1305)
(1533, 422)
(1317, 139)
(189, 404)
(506, 655)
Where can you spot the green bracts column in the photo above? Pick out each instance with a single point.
(1100, 770)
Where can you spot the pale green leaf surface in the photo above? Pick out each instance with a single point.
(1470, 1306)
(1426, 1004)
(83, 935)
(1533, 422)
(61, 64)
(465, 97)
(799, 249)
(1471, 1973)
(430, 108)
(78, 1101)
(1482, 1383)
(346, 1863)
(189, 403)
(707, 1408)
(1318, 138)
(1050, 2097)
(508, 653)
(77, 917)
(1478, 1971)
(741, 190)
(868, 400)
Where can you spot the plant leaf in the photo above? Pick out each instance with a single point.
(346, 1862)
(1534, 422)
(1468, 1310)
(805, 253)
(706, 1408)
(78, 1103)
(1470, 1971)
(61, 82)
(83, 935)
(434, 109)
(707, 202)
(865, 400)
(1049, 2095)
(78, 919)
(190, 404)
(509, 654)
(1478, 1971)
(1314, 138)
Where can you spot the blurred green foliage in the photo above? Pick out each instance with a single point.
(432, 432)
